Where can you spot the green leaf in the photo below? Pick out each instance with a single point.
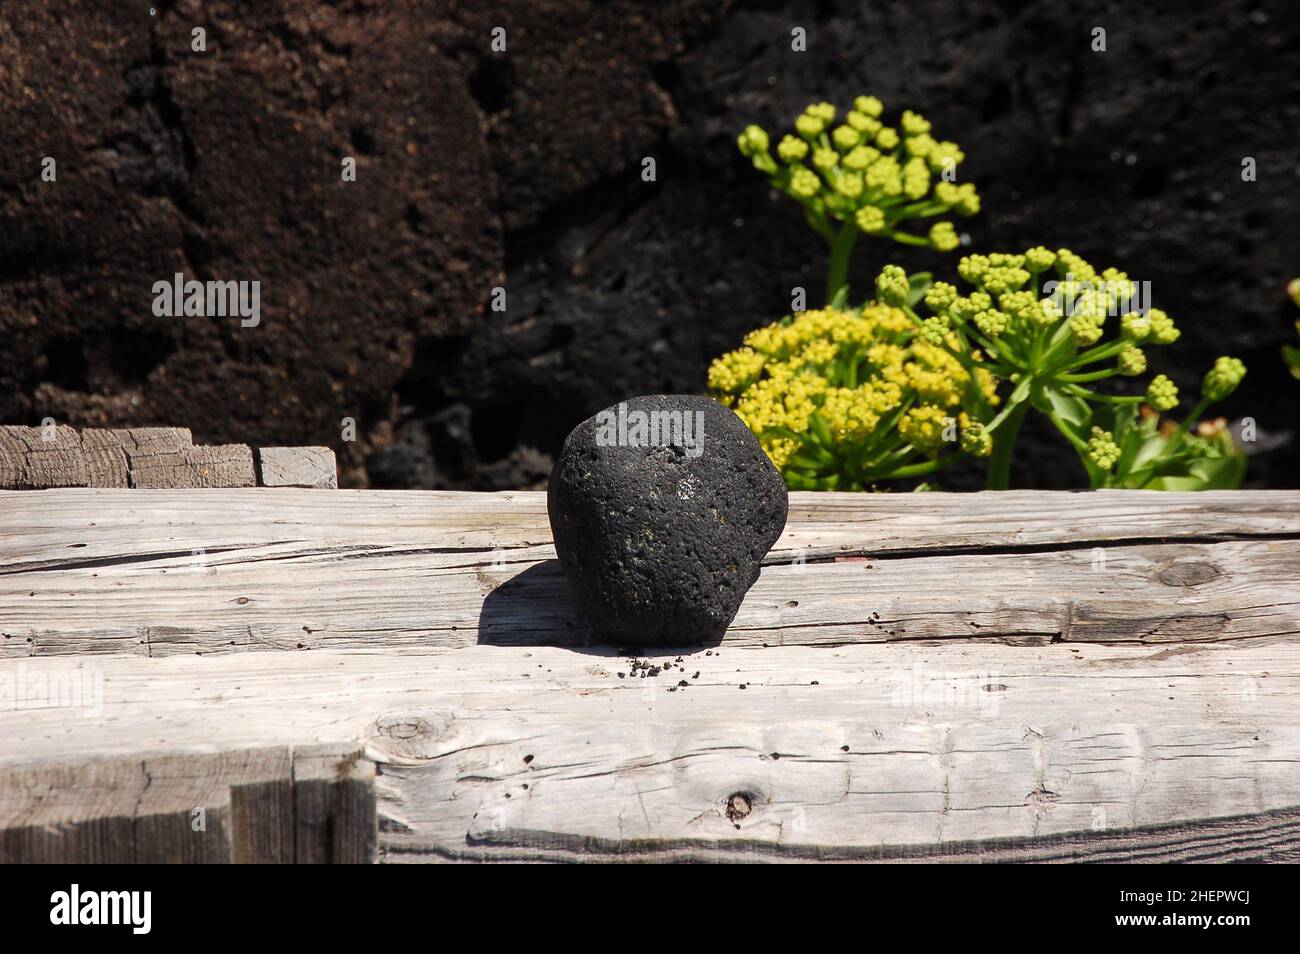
(1203, 473)
(918, 285)
(1073, 410)
(1220, 473)
(1148, 451)
(1174, 483)
(806, 463)
(821, 431)
(1021, 392)
(1127, 434)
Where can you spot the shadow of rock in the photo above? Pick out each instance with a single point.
(536, 608)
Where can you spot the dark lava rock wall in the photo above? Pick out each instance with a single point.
(522, 169)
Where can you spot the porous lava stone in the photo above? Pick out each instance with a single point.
(661, 531)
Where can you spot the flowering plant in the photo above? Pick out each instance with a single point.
(903, 386)
(841, 398)
(865, 176)
(1037, 320)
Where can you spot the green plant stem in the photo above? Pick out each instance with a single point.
(841, 250)
(919, 470)
(1099, 353)
(1089, 376)
(1079, 444)
(1004, 441)
(1106, 398)
(1176, 438)
(904, 238)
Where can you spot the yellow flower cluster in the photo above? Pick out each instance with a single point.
(853, 369)
(1014, 300)
(866, 172)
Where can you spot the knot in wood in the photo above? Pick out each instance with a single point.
(1188, 574)
(739, 806)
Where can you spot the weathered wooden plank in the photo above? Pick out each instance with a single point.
(81, 811)
(143, 457)
(217, 573)
(41, 457)
(334, 800)
(1047, 753)
(246, 806)
(298, 467)
(155, 456)
(220, 465)
(821, 525)
(106, 462)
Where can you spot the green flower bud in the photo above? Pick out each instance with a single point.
(825, 159)
(809, 126)
(887, 138)
(1002, 278)
(1132, 361)
(943, 237)
(940, 297)
(963, 309)
(1039, 259)
(892, 286)
(849, 185)
(934, 328)
(1163, 331)
(976, 440)
(991, 322)
(914, 124)
(752, 141)
(968, 201)
(870, 219)
(1135, 326)
(869, 106)
(845, 138)
(1102, 449)
(973, 268)
(804, 183)
(1223, 378)
(1162, 394)
(920, 148)
(860, 157)
(1085, 328)
(944, 155)
(823, 111)
(1069, 264)
(791, 149)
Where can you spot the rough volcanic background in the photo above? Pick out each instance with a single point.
(522, 169)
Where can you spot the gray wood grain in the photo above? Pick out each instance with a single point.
(298, 467)
(88, 572)
(141, 458)
(399, 676)
(178, 805)
(906, 751)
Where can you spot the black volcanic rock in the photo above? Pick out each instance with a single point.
(662, 509)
